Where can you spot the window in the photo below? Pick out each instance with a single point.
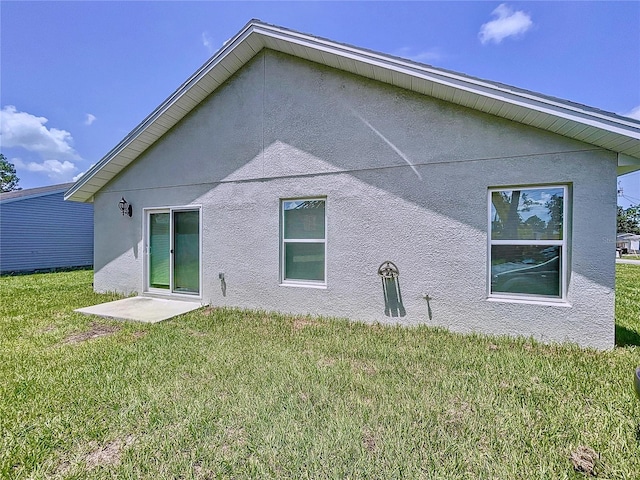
(303, 241)
(528, 242)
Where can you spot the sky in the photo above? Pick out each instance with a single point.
(76, 77)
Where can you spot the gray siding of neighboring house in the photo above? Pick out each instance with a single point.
(44, 232)
(285, 128)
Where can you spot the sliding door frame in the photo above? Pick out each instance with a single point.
(146, 282)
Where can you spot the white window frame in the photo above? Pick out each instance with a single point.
(283, 241)
(563, 244)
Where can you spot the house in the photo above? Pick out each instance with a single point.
(628, 243)
(40, 231)
(293, 173)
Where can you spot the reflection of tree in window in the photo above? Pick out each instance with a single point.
(510, 222)
(527, 244)
(536, 225)
(309, 204)
(554, 205)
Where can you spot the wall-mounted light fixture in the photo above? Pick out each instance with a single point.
(125, 207)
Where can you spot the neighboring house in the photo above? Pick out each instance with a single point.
(628, 242)
(293, 173)
(40, 231)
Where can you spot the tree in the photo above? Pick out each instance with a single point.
(8, 178)
(554, 226)
(508, 206)
(629, 219)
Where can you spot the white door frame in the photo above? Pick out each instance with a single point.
(147, 212)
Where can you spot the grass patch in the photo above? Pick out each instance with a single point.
(627, 304)
(220, 393)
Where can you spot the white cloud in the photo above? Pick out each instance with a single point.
(78, 176)
(54, 169)
(428, 55)
(52, 145)
(90, 118)
(207, 42)
(633, 113)
(508, 23)
(21, 129)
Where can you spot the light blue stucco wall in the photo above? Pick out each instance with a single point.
(406, 179)
(44, 232)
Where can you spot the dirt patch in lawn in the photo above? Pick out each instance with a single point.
(326, 362)
(96, 330)
(361, 366)
(584, 460)
(108, 454)
(234, 438)
(48, 329)
(300, 323)
(369, 440)
(458, 412)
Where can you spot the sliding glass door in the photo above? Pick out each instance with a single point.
(173, 247)
(186, 246)
(159, 248)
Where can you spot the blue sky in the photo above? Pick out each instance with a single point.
(78, 76)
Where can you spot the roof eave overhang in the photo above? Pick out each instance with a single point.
(627, 164)
(604, 130)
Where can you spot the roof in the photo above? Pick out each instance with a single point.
(33, 192)
(603, 129)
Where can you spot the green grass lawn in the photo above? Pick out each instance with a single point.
(238, 394)
(628, 305)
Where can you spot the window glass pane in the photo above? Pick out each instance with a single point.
(159, 250)
(186, 258)
(304, 261)
(303, 219)
(530, 214)
(526, 269)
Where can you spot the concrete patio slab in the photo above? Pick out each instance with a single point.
(141, 309)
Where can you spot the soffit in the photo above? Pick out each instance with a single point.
(579, 122)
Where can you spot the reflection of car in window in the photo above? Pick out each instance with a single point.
(528, 276)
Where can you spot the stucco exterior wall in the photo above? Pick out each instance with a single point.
(406, 179)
